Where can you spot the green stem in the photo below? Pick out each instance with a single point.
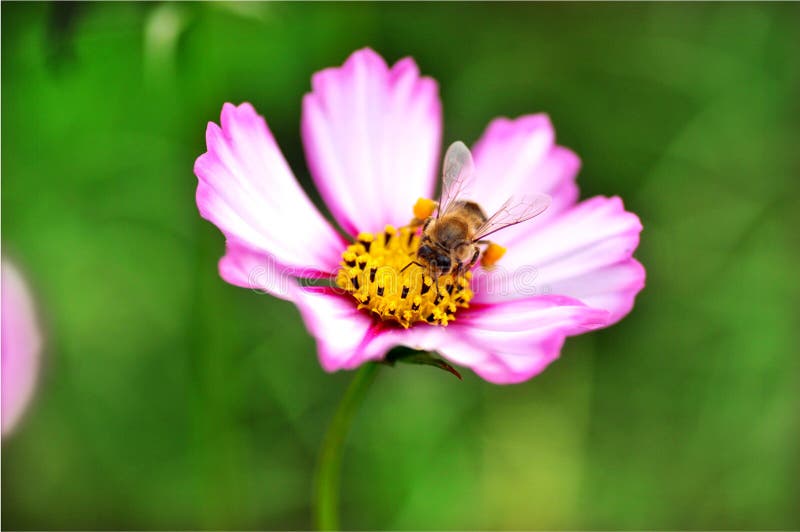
(326, 477)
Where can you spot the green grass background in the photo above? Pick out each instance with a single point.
(169, 399)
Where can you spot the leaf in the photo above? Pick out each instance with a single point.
(424, 358)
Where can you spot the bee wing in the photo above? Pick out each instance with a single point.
(515, 210)
(457, 173)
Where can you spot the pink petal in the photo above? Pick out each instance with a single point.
(518, 157)
(584, 253)
(613, 287)
(21, 345)
(504, 343)
(519, 338)
(372, 137)
(337, 325)
(247, 190)
(241, 266)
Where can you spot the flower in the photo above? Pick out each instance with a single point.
(372, 138)
(21, 344)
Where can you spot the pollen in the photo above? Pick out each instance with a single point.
(494, 252)
(378, 270)
(424, 208)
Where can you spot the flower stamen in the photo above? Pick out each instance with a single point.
(381, 273)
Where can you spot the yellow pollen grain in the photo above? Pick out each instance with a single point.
(494, 252)
(371, 272)
(424, 208)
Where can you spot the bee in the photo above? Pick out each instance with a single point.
(451, 239)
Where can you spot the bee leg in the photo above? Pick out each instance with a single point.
(409, 264)
(464, 268)
(474, 259)
(417, 222)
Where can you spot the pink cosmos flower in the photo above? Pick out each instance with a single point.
(21, 343)
(372, 137)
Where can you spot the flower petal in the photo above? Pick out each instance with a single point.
(242, 266)
(504, 343)
(584, 253)
(519, 157)
(337, 325)
(519, 338)
(21, 345)
(372, 137)
(613, 287)
(246, 189)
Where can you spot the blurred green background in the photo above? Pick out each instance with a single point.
(170, 399)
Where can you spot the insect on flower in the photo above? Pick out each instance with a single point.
(406, 270)
(451, 241)
(448, 246)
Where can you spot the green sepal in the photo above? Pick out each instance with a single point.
(407, 355)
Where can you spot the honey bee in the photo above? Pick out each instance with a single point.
(451, 239)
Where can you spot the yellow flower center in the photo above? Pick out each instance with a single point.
(375, 270)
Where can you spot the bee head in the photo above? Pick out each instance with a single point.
(435, 259)
(426, 253)
(442, 263)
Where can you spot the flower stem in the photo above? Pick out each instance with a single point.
(326, 477)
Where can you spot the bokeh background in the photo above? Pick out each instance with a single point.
(170, 399)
